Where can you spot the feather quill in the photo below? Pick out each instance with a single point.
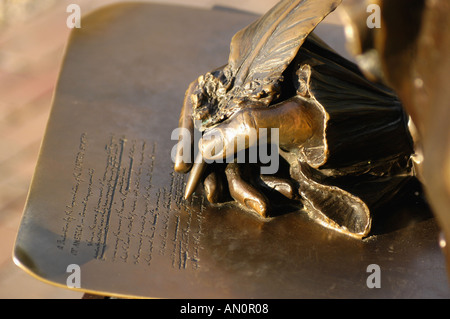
(259, 54)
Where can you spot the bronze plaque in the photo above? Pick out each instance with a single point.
(104, 196)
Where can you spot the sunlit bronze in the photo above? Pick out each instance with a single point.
(123, 219)
(411, 52)
(344, 139)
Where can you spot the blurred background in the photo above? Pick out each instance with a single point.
(33, 35)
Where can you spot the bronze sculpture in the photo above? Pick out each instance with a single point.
(411, 52)
(344, 139)
(198, 249)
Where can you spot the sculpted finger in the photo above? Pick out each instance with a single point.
(243, 192)
(280, 185)
(184, 151)
(293, 118)
(233, 135)
(215, 187)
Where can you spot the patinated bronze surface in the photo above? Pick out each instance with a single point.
(259, 54)
(344, 139)
(411, 52)
(104, 195)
